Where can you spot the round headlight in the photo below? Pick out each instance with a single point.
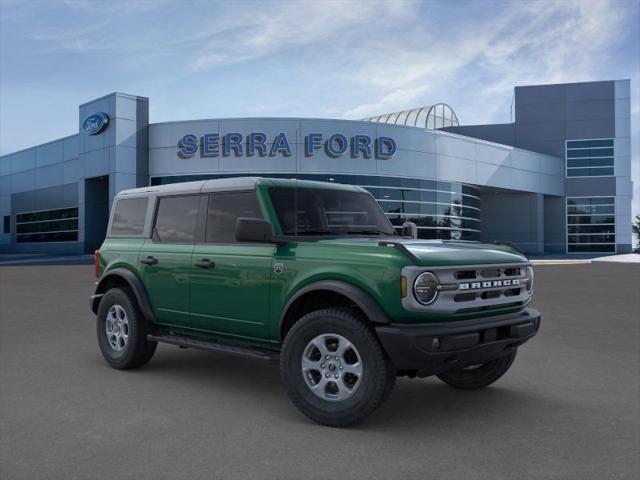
(529, 274)
(425, 288)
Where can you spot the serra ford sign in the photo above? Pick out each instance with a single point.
(258, 144)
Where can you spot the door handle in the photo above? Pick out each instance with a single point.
(205, 263)
(149, 260)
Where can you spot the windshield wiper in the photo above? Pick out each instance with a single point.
(365, 232)
(312, 231)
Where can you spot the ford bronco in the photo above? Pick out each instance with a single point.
(311, 275)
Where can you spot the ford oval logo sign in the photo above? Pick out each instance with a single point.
(95, 123)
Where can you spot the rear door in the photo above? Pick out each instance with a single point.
(230, 281)
(165, 258)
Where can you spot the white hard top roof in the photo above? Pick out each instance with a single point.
(225, 185)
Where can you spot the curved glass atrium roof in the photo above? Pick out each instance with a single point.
(439, 115)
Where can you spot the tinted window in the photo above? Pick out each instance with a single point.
(176, 219)
(315, 211)
(129, 215)
(7, 224)
(224, 210)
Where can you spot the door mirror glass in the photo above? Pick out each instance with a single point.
(409, 229)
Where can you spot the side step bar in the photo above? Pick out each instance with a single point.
(210, 346)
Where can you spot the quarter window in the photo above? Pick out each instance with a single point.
(591, 225)
(129, 216)
(224, 209)
(589, 158)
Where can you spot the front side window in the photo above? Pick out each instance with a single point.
(224, 209)
(128, 217)
(176, 219)
(589, 158)
(591, 225)
(316, 211)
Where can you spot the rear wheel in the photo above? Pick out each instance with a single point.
(122, 330)
(334, 368)
(478, 376)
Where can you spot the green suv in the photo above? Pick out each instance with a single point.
(311, 275)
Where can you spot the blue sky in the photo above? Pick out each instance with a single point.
(317, 59)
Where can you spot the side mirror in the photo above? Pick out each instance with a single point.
(255, 230)
(409, 229)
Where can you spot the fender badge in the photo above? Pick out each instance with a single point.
(278, 268)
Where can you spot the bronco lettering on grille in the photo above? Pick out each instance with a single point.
(489, 284)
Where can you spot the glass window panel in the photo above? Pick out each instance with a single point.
(590, 162)
(587, 248)
(590, 152)
(591, 238)
(51, 226)
(391, 207)
(589, 143)
(428, 196)
(475, 224)
(428, 184)
(223, 212)
(176, 219)
(590, 172)
(390, 182)
(470, 212)
(470, 190)
(590, 219)
(366, 180)
(591, 228)
(47, 237)
(591, 201)
(47, 215)
(410, 183)
(591, 209)
(129, 216)
(444, 186)
(428, 208)
(444, 197)
(470, 202)
(412, 195)
(390, 194)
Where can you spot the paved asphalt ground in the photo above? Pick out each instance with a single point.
(569, 408)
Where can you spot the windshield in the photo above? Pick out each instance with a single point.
(319, 211)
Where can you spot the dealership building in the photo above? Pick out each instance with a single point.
(555, 180)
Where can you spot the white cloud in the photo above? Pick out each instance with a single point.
(528, 43)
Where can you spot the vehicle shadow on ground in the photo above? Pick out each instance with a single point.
(414, 404)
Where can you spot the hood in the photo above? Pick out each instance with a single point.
(437, 252)
(443, 253)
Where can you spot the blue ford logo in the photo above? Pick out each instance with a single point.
(95, 123)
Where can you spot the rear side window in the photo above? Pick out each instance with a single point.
(129, 215)
(176, 219)
(224, 210)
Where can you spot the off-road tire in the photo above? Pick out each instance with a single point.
(480, 377)
(378, 377)
(138, 350)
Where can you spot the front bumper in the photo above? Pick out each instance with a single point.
(427, 349)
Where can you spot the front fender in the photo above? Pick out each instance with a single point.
(362, 299)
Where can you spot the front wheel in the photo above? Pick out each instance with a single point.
(334, 369)
(478, 376)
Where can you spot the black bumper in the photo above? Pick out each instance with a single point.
(427, 349)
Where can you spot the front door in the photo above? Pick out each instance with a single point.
(165, 259)
(230, 281)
